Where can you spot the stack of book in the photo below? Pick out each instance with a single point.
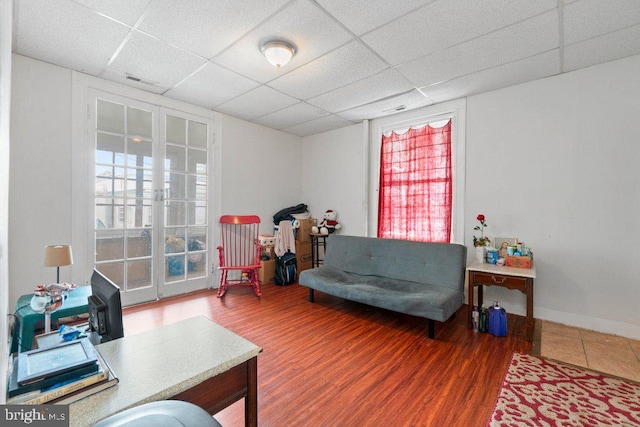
(61, 375)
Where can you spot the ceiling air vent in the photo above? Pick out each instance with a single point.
(398, 108)
(139, 80)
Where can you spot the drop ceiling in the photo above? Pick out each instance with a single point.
(356, 59)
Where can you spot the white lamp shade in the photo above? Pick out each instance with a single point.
(278, 53)
(58, 255)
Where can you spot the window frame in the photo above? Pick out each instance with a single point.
(456, 111)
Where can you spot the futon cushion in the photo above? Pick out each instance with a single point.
(418, 299)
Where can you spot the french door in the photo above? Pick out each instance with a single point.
(152, 167)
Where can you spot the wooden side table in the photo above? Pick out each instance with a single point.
(520, 279)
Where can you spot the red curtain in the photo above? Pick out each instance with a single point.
(415, 200)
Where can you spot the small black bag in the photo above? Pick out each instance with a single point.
(285, 269)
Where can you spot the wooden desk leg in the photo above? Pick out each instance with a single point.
(251, 400)
(470, 290)
(530, 320)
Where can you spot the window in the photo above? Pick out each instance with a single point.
(415, 199)
(453, 112)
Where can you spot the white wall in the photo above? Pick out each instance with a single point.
(333, 176)
(260, 171)
(5, 113)
(40, 172)
(554, 162)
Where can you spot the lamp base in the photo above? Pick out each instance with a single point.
(47, 323)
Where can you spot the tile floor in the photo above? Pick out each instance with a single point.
(609, 354)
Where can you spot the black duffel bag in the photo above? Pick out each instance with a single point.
(286, 213)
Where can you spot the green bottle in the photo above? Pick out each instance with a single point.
(484, 324)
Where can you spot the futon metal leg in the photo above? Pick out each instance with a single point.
(311, 295)
(432, 328)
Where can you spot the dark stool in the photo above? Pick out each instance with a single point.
(165, 413)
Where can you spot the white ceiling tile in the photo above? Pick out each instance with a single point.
(590, 18)
(126, 11)
(67, 34)
(444, 24)
(449, 48)
(608, 47)
(345, 65)
(518, 41)
(385, 107)
(370, 89)
(532, 68)
(154, 61)
(301, 23)
(290, 116)
(361, 16)
(319, 125)
(256, 103)
(206, 27)
(210, 86)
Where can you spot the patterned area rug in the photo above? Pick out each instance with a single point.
(540, 392)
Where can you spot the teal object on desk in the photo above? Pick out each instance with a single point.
(24, 330)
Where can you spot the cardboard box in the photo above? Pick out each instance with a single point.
(518, 261)
(269, 250)
(267, 271)
(303, 256)
(303, 233)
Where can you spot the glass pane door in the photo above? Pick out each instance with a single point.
(186, 232)
(124, 196)
(152, 232)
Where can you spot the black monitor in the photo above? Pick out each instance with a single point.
(105, 308)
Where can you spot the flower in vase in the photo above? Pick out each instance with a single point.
(482, 240)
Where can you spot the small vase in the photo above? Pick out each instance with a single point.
(480, 254)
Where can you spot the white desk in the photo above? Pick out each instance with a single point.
(177, 361)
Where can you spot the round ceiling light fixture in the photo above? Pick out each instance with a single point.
(278, 53)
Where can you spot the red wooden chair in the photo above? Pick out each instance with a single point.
(239, 252)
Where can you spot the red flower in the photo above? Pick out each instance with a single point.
(482, 241)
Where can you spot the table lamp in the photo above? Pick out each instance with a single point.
(48, 299)
(58, 256)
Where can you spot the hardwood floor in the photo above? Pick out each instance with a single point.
(339, 363)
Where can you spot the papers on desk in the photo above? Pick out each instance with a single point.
(67, 390)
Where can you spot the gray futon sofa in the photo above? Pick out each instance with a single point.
(416, 278)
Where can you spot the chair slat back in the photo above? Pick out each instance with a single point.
(239, 236)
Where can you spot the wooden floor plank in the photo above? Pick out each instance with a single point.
(339, 363)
